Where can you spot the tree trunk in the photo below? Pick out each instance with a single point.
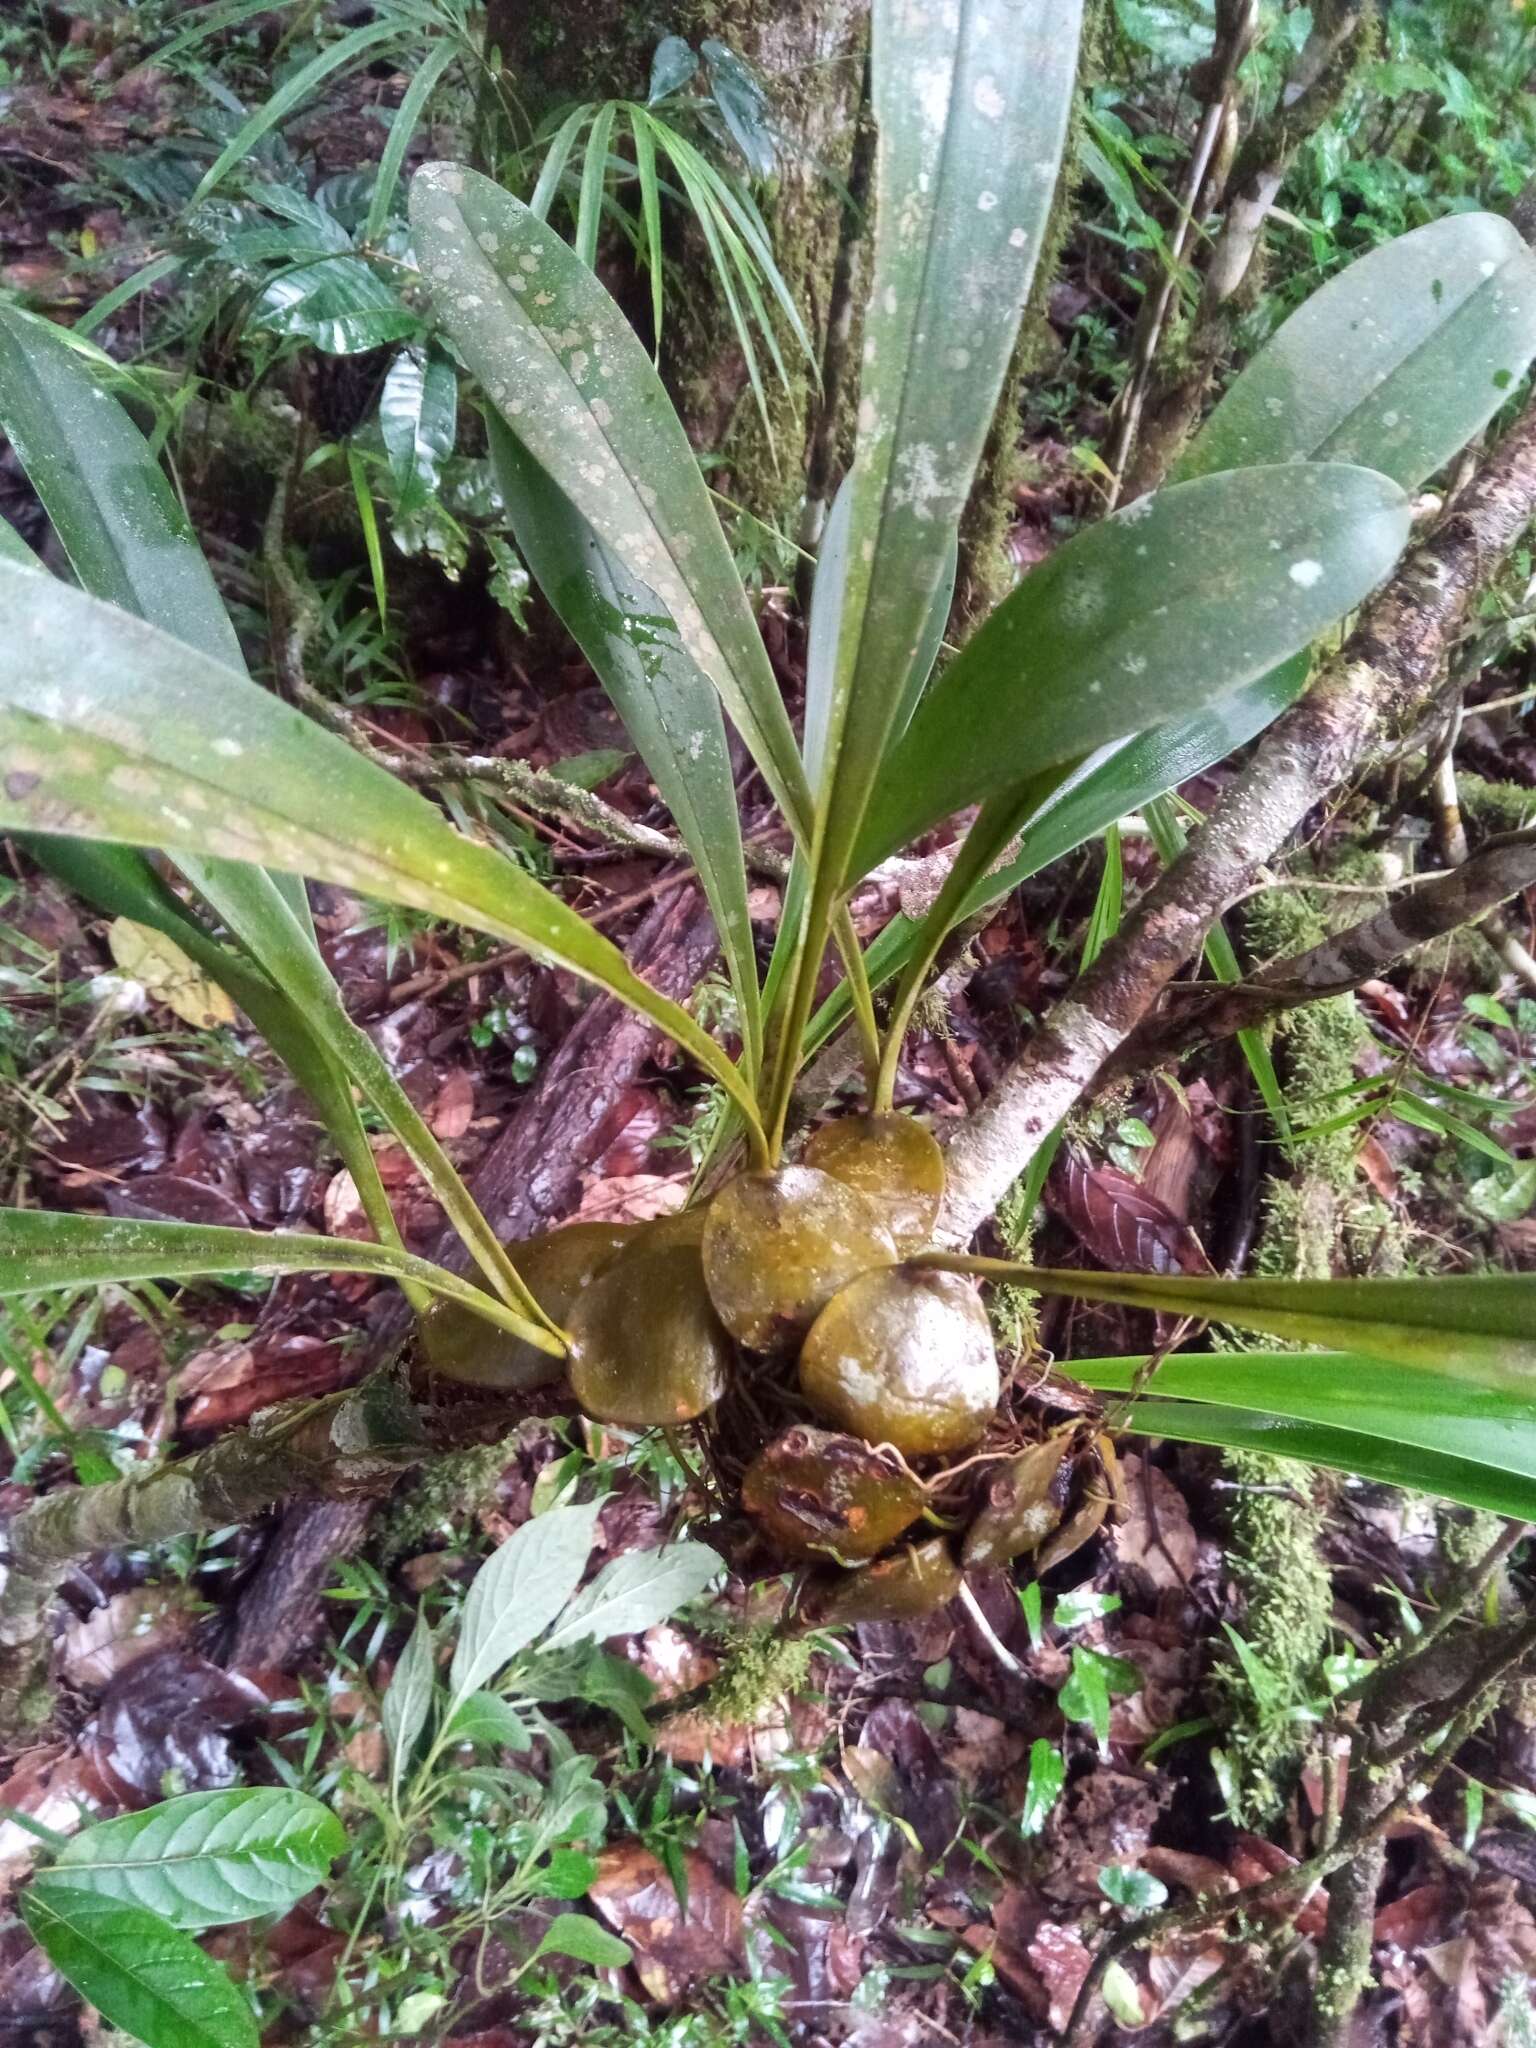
(809, 55)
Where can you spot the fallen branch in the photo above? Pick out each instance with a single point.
(1377, 689)
(1441, 904)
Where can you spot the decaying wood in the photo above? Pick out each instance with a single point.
(1364, 702)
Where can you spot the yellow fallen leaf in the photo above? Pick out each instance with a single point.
(149, 957)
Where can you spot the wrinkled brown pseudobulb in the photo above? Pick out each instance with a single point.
(894, 1160)
(647, 1349)
(901, 1588)
(556, 1268)
(1024, 1502)
(904, 1356)
(1103, 1495)
(778, 1245)
(813, 1491)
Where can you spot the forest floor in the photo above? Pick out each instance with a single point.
(892, 1835)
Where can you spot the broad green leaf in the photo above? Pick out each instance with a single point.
(1056, 814)
(1395, 363)
(634, 1592)
(971, 103)
(668, 705)
(570, 378)
(1476, 1326)
(336, 302)
(408, 1700)
(14, 549)
(418, 418)
(574, 1935)
(518, 1592)
(126, 535)
(1135, 1891)
(113, 730)
(673, 63)
(490, 1722)
(141, 1974)
(42, 1248)
(1149, 617)
(207, 1859)
(1454, 1414)
(826, 620)
(1340, 1450)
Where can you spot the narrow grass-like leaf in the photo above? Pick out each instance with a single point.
(140, 1973)
(207, 1859)
(1151, 616)
(567, 373)
(350, 49)
(1423, 339)
(401, 129)
(1221, 957)
(368, 519)
(668, 706)
(556, 157)
(43, 1248)
(594, 176)
(650, 218)
(112, 730)
(518, 1592)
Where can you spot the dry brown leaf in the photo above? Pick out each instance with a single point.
(634, 1198)
(159, 965)
(453, 1106)
(673, 1948)
(1156, 1536)
(127, 1626)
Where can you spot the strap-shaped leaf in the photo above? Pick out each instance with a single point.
(43, 1248)
(1395, 363)
(1450, 1413)
(1149, 617)
(669, 708)
(971, 102)
(121, 525)
(208, 1858)
(140, 1973)
(569, 376)
(1420, 1468)
(1423, 338)
(110, 729)
(1478, 1327)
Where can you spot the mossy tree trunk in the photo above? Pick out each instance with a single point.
(809, 55)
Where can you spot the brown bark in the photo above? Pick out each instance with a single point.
(1461, 896)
